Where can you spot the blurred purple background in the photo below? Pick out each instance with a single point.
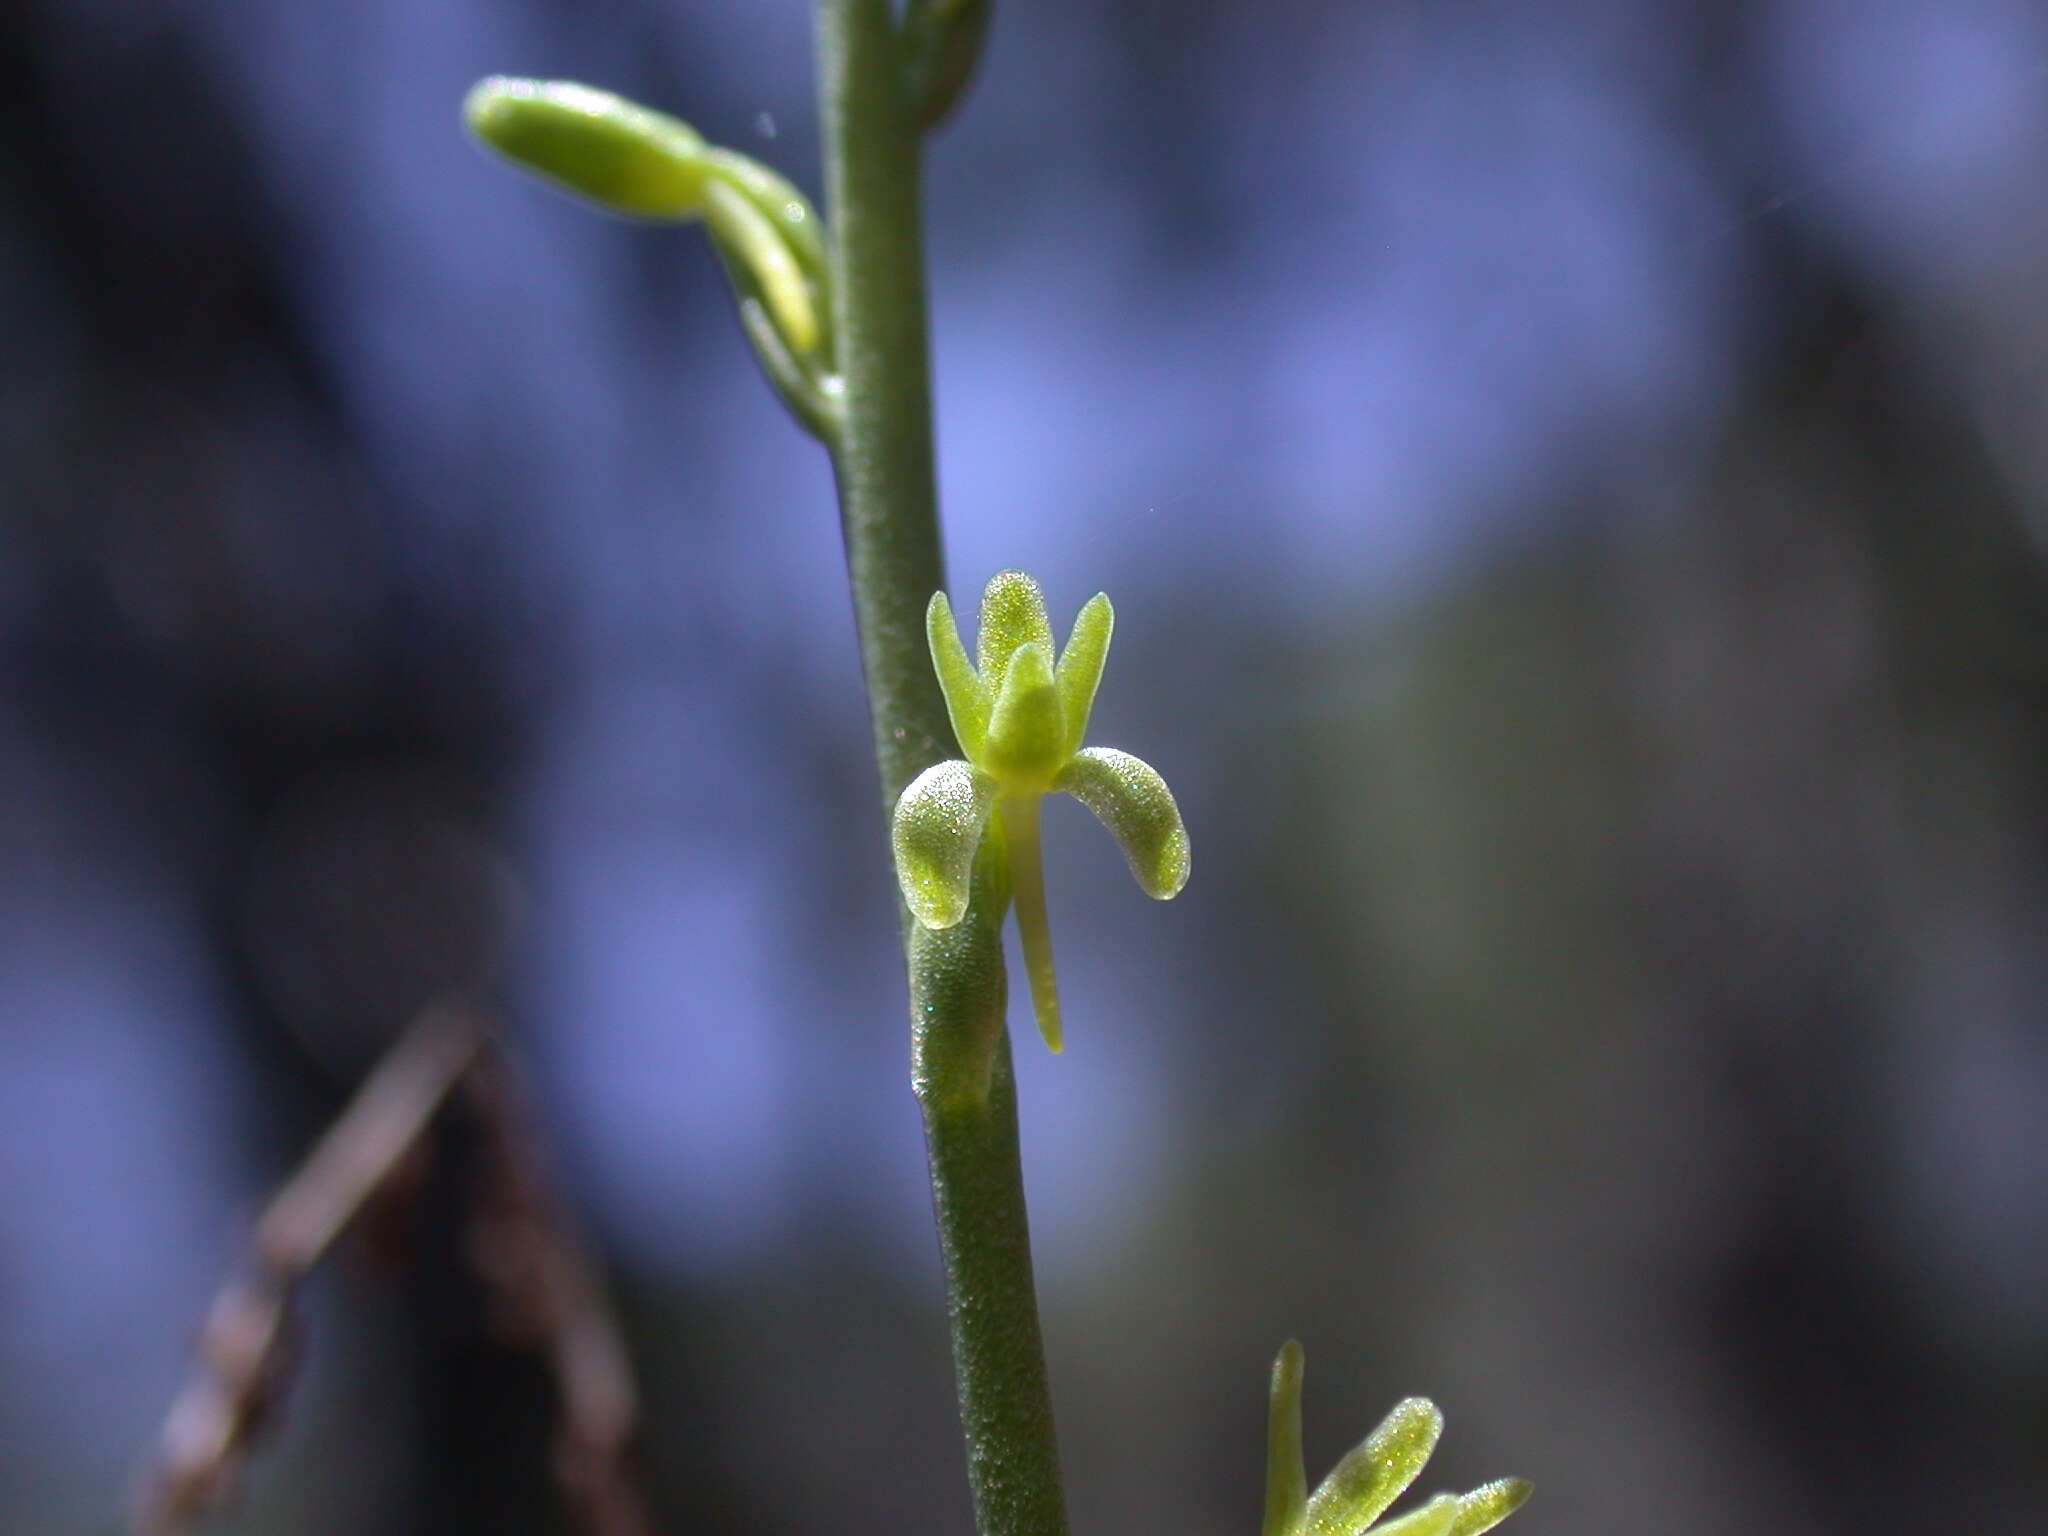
(1574, 482)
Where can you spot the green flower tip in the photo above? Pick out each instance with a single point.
(621, 156)
(1365, 1484)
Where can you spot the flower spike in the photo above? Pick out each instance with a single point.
(1020, 709)
(1366, 1482)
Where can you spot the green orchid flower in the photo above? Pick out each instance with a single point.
(1020, 716)
(1367, 1481)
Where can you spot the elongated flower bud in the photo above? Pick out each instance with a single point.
(625, 158)
(631, 160)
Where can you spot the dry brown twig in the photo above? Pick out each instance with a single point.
(244, 1345)
(526, 1247)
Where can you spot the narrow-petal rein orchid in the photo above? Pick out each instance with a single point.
(1020, 716)
(1371, 1477)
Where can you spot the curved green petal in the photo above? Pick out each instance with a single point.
(1439, 1517)
(619, 155)
(1012, 616)
(938, 823)
(1489, 1504)
(1080, 667)
(753, 242)
(1378, 1471)
(1128, 797)
(1286, 1477)
(1026, 744)
(967, 701)
(780, 202)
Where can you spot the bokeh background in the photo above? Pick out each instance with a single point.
(1575, 481)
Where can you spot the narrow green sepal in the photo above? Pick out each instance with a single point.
(1489, 1504)
(1130, 798)
(1080, 668)
(967, 701)
(1027, 740)
(1439, 1517)
(1012, 616)
(624, 157)
(937, 825)
(755, 248)
(1369, 1479)
(1286, 1474)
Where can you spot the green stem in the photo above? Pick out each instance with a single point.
(882, 454)
(1005, 1409)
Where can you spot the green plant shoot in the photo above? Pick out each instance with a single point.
(1020, 716)
(1369, 1478)
(642, 164)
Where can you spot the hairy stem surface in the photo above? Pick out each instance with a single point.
(883, 449)
(882, 454)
